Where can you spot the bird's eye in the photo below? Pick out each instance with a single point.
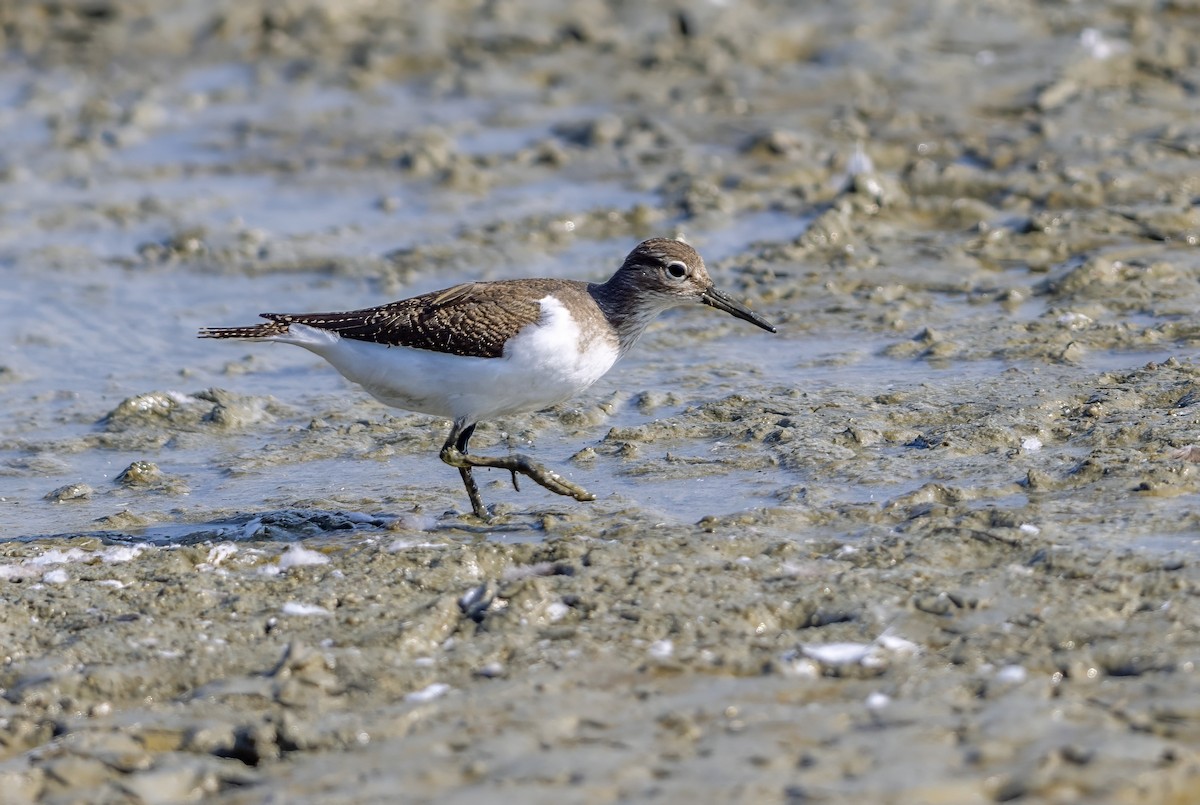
(677, 269)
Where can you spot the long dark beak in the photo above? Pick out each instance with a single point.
(720, 301)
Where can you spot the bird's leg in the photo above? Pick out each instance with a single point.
(456, 444)
(454, 453)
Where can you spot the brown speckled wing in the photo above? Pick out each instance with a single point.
(473, 319)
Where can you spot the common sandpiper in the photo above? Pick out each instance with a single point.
(488, 349)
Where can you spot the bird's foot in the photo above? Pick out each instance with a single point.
(547, 478)
(515, 464)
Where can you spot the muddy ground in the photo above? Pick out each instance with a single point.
(934, 542)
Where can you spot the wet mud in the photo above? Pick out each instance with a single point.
(935, 541)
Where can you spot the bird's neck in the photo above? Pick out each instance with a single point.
(627, 309)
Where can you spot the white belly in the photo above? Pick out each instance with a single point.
(544, 364)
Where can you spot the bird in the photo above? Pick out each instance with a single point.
(482, 350)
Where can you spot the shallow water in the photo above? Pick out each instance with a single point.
(81, 340)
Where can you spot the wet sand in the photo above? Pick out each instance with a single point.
(933, 542)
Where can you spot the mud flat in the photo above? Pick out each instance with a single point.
(934, 542)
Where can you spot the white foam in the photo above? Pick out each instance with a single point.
(868, 655)
(299, 556)
(10, 572)
(1099, 48)
(35, 565)
(220, 552)
(878, 700)
(897, 644)
(839, 653)
(428, 693)
(296, 608)
(661, 649)
(404, 544)
(1015, 674)
(56, 556)
(121, 553)
(58, 576)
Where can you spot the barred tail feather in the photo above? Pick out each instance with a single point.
(272, 329)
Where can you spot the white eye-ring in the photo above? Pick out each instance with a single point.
(677, 269)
